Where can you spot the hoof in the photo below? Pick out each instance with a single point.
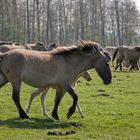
(24, 116)
(55, 116)
(68, 115)
(70, 112)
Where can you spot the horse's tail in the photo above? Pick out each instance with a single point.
(114, 56)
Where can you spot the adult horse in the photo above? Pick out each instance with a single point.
(42, 69)
(5, 43)
(37, 47)
(110, 49)
(85, 75)
(127, 53)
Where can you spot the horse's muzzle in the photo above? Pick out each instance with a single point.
(107, 82)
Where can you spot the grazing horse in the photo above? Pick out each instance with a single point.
(59, 67)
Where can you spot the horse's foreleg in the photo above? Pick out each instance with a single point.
(58, 97)
(43, 97)
(71, 91)
(33, 95)
(16, 99)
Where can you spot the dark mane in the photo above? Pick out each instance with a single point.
(80, 46)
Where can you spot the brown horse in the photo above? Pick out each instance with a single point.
(37, 47)
(130, 54)
(5, 43)
(85, 75)
(42, 69)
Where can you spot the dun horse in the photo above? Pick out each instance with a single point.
(42, 70)
(85, 75)
(130, 54)
(6, 46)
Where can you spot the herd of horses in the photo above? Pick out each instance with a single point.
(127, 56)
(58, 67)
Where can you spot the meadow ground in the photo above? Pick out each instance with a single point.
(114, 117)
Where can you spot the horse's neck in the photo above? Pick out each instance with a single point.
(82, 63)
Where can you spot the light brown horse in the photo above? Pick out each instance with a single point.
(131, 54)
(42, 69)
(110, 49)
(85, 75)
(5, 43)
(37, 47)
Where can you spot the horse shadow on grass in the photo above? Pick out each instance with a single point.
(34, 123)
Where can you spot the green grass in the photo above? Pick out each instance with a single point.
(114, 117)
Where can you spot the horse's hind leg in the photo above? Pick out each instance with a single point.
(33, 95)
(16, 98)
(3, 80)
(43, 97)
(59, 95)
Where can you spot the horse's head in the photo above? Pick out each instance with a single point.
(103, 69)
(51, 46)
(99, 59)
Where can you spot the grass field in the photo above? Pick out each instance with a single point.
(114, 117)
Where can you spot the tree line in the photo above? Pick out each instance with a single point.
(114, 22)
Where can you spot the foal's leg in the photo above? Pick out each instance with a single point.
(33, 95)
(78, 106)
(71, 91)
(58, 97)
(43, 97)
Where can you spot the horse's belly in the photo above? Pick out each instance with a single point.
(37, 81)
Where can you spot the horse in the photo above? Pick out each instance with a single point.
(84, 75)
(44, 93)
(130, 54)
(42, 70)
(37, 47)
(5, 43)
(110, 49)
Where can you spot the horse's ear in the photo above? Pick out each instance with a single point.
(40, 43)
